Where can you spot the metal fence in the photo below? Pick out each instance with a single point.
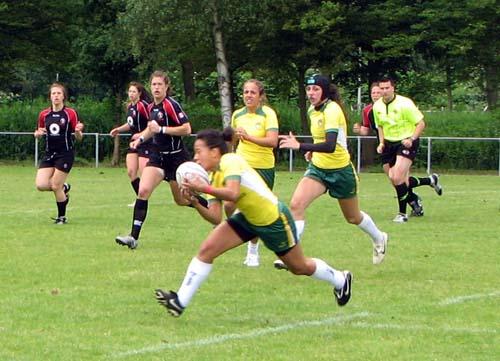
(425, 144)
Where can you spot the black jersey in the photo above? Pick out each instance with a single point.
(137, 116)
(168, 113)
(59, 125)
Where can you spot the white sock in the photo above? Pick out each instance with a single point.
(368, 226)
(196, 274)
(253, 248)
(299, 226)
(329, 274)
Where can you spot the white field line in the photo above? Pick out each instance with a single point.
(245, 335)
(410, 328)
(462, 299)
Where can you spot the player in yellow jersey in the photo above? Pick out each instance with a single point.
(400, 124)
(256, 129)
(330, 167)
(261, 215)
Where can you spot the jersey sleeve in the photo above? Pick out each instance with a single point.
(142, 108)
(73, 118)
(41, 119)
(231, 167)
(412, 112)
(365, 116)
(175, 112)
(333, 114)
(271, 119)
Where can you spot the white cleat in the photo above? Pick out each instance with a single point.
(400, 218)
(379, 250)
(252, 260)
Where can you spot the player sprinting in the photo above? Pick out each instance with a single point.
(261, 215)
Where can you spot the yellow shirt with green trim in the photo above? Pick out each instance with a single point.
(256, 124)
(398, 118)
(329, 118)
(256, 202)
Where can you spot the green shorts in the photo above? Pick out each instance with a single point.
(278, 236)
(341, 183)
(267, 175)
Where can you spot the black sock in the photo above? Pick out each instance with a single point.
(135, 185)
(402, 192)
(411, 196)
(61, 207)
(417, 182)
(140, 212)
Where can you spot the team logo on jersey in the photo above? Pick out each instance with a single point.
(54, 129)
(159, 115)
(181, 115)
(258, 126)
(405, 152)
(133, 112)
(62, 121)
(130, 120)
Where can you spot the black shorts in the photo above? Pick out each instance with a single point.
(61, 161)
(393, 149)
(168, 161)
(143, 150)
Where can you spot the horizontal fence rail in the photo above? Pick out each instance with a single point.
(425, 144)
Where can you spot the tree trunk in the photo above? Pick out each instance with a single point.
(302, 100)
(188, 79)
(449, 83)
(491, 86)
(115, 160)
(223, 77)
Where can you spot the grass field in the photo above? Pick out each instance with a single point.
(70, 293)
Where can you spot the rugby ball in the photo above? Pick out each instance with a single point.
(189, 169)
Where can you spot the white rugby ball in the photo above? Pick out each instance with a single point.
(189, 169)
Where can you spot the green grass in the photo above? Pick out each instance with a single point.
(70, 293)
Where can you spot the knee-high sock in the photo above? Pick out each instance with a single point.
(196, 274)
(135, 185)
(402, 192)
(299, 226)
(140, 212)
(368, 226)
(329, 274)
(414, 182)
(61, 207)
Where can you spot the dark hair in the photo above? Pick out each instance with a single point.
(260, 86)
(386, 79)
(216, 139)
(144, 94)
(162, 74)
(335, 96)
(59, 85)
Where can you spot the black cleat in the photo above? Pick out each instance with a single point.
(417, 208)
(435, 184)
(60, 220)
(279, 265)
(170, 300)
(343, 295)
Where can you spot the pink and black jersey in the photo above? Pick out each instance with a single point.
(168, 113)
(368, 120)
(138, 116)
(59, 125)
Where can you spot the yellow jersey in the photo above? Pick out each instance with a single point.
(256, 124)
(398, 118)
(256, 201)
(329, 118)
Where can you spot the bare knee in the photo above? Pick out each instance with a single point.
(144, 192)
(132, 174)
(297, 209)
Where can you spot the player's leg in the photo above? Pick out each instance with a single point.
(43, 177)
(220, 240)
(57, 182)
(298, 264)
(132, 161)
(306, 192)
(398, 175)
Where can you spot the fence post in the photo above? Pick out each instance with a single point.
(358, 161)
(429, 145)
(290, 160)
(36, 152)
(96, 150)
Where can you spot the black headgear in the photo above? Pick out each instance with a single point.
(321, 81)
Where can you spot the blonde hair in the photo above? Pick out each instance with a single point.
(162, 74)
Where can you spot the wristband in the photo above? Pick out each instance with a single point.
(141, 139)
(208, 189)
(163, 130)
(413, 138)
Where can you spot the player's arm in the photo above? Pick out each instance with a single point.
(270, 140)
(328, 146)
(213, 213)
(122, 128)
(380, 147)
(419, 129)
(141, 137)
(182, 130)
(230, 192)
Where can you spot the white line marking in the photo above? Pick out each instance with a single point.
(238, 336)
(388, 326)
(461, 299)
